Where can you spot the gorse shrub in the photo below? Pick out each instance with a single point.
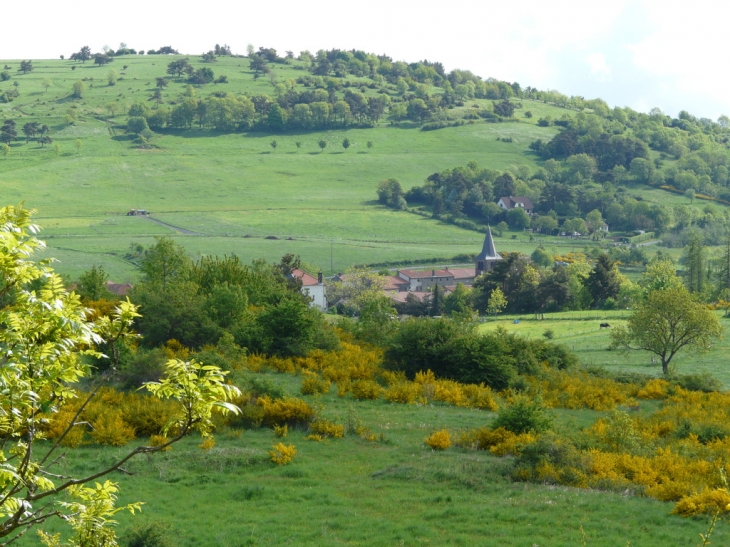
(110, 418)
(325, 428)
(312, 384)
(109, 428)
(282, 454)
(366, 389)
(439, 440)
(290, 411)
(405, 393)
(499, 441)
(560, 389)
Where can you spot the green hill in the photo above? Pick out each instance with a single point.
(227, 190)
(224, 186)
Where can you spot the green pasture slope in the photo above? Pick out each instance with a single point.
(214, 189)
(383, 494)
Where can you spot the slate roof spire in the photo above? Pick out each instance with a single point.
(489, 251)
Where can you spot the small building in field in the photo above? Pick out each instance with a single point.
(516, 202)
(313, 287)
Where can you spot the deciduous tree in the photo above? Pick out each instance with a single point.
(668, 321)
(44, 333)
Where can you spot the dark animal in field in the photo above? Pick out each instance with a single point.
(604, 326)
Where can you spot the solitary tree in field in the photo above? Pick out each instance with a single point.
(666, 322)
(78, 89)
(322, 144)
(298, 144)
(370, 144)
(112, 77)
(4, 150)
(274, 144)
(25, 66)
(161, 82)
(45, 140)
(345, 143)
(47, 83)
(78, 143)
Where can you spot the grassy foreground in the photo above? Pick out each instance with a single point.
(398, 492)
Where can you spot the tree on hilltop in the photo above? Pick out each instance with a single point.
(179, 67)
(25, 66)
(83, 55)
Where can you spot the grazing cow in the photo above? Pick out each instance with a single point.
(604, 326)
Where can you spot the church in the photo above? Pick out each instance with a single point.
(423, 281)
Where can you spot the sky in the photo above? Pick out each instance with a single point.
(644, 54)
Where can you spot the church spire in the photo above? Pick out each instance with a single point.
(485, 260)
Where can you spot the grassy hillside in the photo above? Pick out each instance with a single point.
(223, 187)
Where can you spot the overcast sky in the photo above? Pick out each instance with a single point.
(637, 53)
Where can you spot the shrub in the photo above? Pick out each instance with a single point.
(289, 411)
(707, 501)
(499, 441)
(281, 430)
(325, 428)
(207, 443)
(313, 384)
(549, 334)
(439, 440)
(282, 454)
(405, 393)
(366, 389)
(524, 415)
(654, 389)
(110, 428)
(150, 534)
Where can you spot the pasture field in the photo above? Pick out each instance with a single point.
(396, 492)
(212, 188)
(580, 332)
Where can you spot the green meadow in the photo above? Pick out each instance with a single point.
(386, 493)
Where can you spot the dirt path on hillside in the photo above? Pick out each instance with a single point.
(176, 228)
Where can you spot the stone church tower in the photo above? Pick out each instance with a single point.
(486, 260)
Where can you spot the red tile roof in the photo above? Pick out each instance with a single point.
(462, 273)
(413, 274)
(307, 280)
(393, 283)
(120, 289)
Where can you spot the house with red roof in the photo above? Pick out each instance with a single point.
(313, 287)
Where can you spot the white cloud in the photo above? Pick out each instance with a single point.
(599, 68)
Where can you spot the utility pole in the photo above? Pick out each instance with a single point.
(332, 268)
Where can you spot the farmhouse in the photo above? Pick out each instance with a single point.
(514, 202)
(313, 287)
